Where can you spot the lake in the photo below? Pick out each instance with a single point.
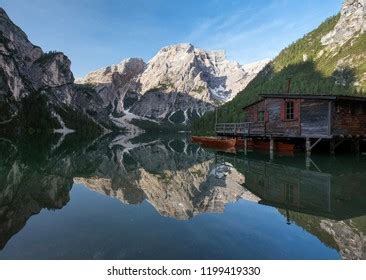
(76, 197)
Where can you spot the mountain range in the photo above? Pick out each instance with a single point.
(180, 83)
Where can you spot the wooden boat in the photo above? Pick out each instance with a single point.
(196, 139)
(215, 142)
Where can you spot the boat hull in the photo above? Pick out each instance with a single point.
(233, 143)
(214, 142)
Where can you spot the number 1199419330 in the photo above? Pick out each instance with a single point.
(220, 270)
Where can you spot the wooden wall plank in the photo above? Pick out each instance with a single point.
(314, 117)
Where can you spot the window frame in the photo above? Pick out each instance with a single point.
(290, 192)
(261, 116)
(359, 109)
(338, 108)
(289, 110)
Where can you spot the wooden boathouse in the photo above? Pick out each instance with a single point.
(302, 118)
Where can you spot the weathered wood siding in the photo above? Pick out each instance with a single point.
(349, 118)
(277, 125)
(274, 123)
(256, 128)
(317, 118)
(314, 118)
(251, 113)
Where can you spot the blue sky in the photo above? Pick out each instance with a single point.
(96, 33)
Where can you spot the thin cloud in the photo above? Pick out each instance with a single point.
(238, 32)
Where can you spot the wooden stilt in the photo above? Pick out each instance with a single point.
(307, 162)
(245, 146)
(271, 147)
(332, 147)
(308, 147)
(357, 146)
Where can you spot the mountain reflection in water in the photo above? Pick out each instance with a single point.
(181, 180)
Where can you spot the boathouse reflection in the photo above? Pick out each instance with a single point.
(336, 190)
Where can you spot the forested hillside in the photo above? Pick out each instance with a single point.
(314, 68)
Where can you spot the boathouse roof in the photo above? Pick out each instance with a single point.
(308, 96)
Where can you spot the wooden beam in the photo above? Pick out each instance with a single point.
(332, 146)
(271, 146)
(316, 167)
(316, 143)
(308, 146)
(330, 118)
(357, 146)
(339, 143)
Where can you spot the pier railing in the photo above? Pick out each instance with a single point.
(233, 128)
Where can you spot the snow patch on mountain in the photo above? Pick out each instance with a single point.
(178, 84)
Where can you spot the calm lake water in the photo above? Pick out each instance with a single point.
(164, 198)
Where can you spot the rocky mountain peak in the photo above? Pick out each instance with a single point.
(178, 84)
(37, 88)
(255, 67)
(130, 67)
(27, 69)
(205, 75)
(182, 47)
(14, 40)
(113, 82)
(352, 21)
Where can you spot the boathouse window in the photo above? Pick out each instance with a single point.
(289, 192)
(261, 183)
(338, 108)
(360, 109)
(350, 109)
(261, 116)
(290, 115)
